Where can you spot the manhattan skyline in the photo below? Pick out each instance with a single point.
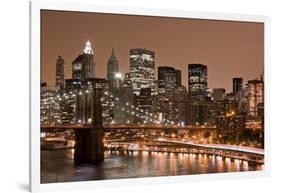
(161, 119)
(229, 49)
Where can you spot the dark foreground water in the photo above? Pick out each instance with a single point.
(58, 166)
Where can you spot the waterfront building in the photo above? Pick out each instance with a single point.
(229, 121)
(196, 112)
(197, 80)
(142, 70)
(60, 73)
(201, 111)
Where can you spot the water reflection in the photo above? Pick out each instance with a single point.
(58, 166)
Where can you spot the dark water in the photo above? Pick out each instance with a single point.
(58, 166)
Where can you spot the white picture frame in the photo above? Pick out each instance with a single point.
(36, 6)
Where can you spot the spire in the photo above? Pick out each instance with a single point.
(88, 48)
(112, 57)
(113, 53)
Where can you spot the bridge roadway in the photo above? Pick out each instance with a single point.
(223, 147)
(128, 127)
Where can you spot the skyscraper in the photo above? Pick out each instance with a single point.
(144, 103)
(142, 70)
(197, 80)
(170, 92)
(125, 97)
(178, 80)
(181, 99)
(68, 103)
(50, 111)
(167, 79)
(60, 73)
(114, 79)
(229, 121)
(237, 84)
(83, 66)
(255, 96)
(112, 67)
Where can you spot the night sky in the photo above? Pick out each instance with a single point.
(229, 49)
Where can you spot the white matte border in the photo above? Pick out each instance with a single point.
(36, 6)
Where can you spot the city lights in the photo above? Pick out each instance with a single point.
(118, 75)
(133, 113)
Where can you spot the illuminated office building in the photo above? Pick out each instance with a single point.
(50, 111)
(83, 66)
(255, 95)
(142, 70)
(167, 79)
(197, 80)
(229, 121)
(123, 100)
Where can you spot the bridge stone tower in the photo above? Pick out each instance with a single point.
(89, 147)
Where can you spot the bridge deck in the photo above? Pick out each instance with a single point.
(236, 148)
(108, 127)
(233, 148)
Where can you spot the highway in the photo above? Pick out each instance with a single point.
(236, 148)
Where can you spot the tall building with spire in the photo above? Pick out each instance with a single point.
(112, 67)
(83, 67)
(60, 73)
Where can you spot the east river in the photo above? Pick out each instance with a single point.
(58, 165)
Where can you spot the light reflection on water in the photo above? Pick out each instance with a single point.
(58, 166)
